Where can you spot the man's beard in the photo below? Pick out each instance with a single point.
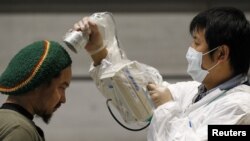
(45, 116)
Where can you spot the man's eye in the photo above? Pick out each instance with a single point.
(63, 88)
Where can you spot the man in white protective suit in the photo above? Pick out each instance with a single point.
(218, 61)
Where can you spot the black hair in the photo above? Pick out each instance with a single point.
(226, 26)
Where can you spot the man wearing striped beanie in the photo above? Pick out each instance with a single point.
(35, 81)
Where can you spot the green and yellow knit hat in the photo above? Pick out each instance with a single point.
(32, 65)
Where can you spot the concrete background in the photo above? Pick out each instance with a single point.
(159, 39)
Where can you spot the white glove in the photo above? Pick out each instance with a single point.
(95, 43)
(159, 94)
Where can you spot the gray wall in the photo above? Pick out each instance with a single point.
(116, 5)
(157, 39)
(155, 33)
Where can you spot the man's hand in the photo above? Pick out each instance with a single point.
(159, 94)
(95, 42)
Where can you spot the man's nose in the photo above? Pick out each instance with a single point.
(63, 98)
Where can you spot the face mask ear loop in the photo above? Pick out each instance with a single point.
(112, 114)
(211, 50)
(213, 66)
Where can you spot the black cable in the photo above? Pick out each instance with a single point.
(112, 114)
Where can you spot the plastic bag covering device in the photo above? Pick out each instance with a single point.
(122, 81)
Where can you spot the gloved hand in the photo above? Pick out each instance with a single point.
(159, 94)
(95, 43)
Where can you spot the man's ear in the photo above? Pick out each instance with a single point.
(223, 53)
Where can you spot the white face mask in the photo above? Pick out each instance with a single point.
(194, 69)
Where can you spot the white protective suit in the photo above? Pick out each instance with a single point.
(180, 119)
